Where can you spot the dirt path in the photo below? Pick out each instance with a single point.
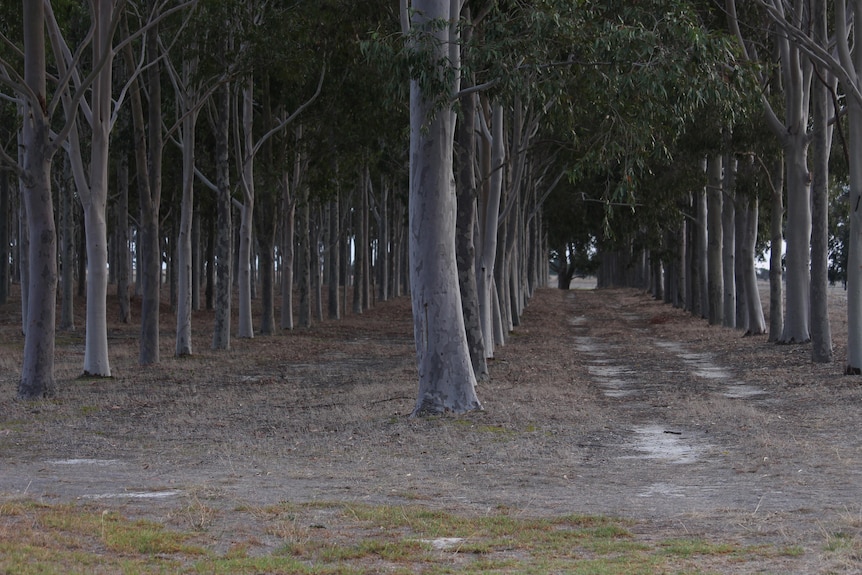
(601, 403)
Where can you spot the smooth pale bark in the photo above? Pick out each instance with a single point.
(728, 225)
(776, 243)
(244, 270)
(93, 189)
(854, 264)
(359, 250)
(37, 371)
(465, 237)
(798, 237)
(380, 209)
(796, 73)
(224, 222)
(700, 304)
(821, 332)
(756, 324)
(446, 378)
(489, 219)
(184, 239)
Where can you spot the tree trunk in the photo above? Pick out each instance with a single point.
(148, 158)
(776, 273)
(37, 371)
(700, 304)
(67, 251)
(224, 225)
(5, 211)
(316, 275)
(756, 324)
(303, 262)
(798, 263)
(715, 278)
(122, 235)
(210, 262)
(359, 250)
(728, 224)
(465, 232)
(246, 214)
(333, 259)
(821, 332)
(196, 257)
(446, 378)
(489, 219)
(184, 239)
(288, 243)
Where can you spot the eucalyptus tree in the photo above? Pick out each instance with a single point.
(34, 171)
(792, 130)
(837, 55)
(446, 378)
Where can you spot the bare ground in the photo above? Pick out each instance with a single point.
(602, 402)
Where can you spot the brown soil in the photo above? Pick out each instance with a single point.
(601, 402)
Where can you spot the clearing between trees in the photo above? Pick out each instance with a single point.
(602, 403)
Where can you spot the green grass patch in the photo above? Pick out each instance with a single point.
(330, 538)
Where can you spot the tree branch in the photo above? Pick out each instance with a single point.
(292, 117)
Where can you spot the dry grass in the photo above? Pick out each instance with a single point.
(320, 414)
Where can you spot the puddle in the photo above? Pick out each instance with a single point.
(671, 446)
(608, 370)
(608, 378)
(96, 462)
(588, 345)
(711, 372)
(133, 495)
(741, 391)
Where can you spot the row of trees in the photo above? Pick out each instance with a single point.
(445, 141)
(695, 245)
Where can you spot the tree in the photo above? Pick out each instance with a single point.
(446, 378)
(99, 114)
(37, 150)
(792, 131)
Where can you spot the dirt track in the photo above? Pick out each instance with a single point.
(602, 402)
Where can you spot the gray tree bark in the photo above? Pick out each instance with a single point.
(728, 225)
(465, 229)
(776, 243)
(37, 372)
(5, 215)
(224, 225)
(446, 378)
(67, 250)
(333, 254)
(122, 235)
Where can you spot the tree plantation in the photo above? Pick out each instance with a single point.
(318, 157)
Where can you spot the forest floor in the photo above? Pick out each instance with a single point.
(601, 403)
